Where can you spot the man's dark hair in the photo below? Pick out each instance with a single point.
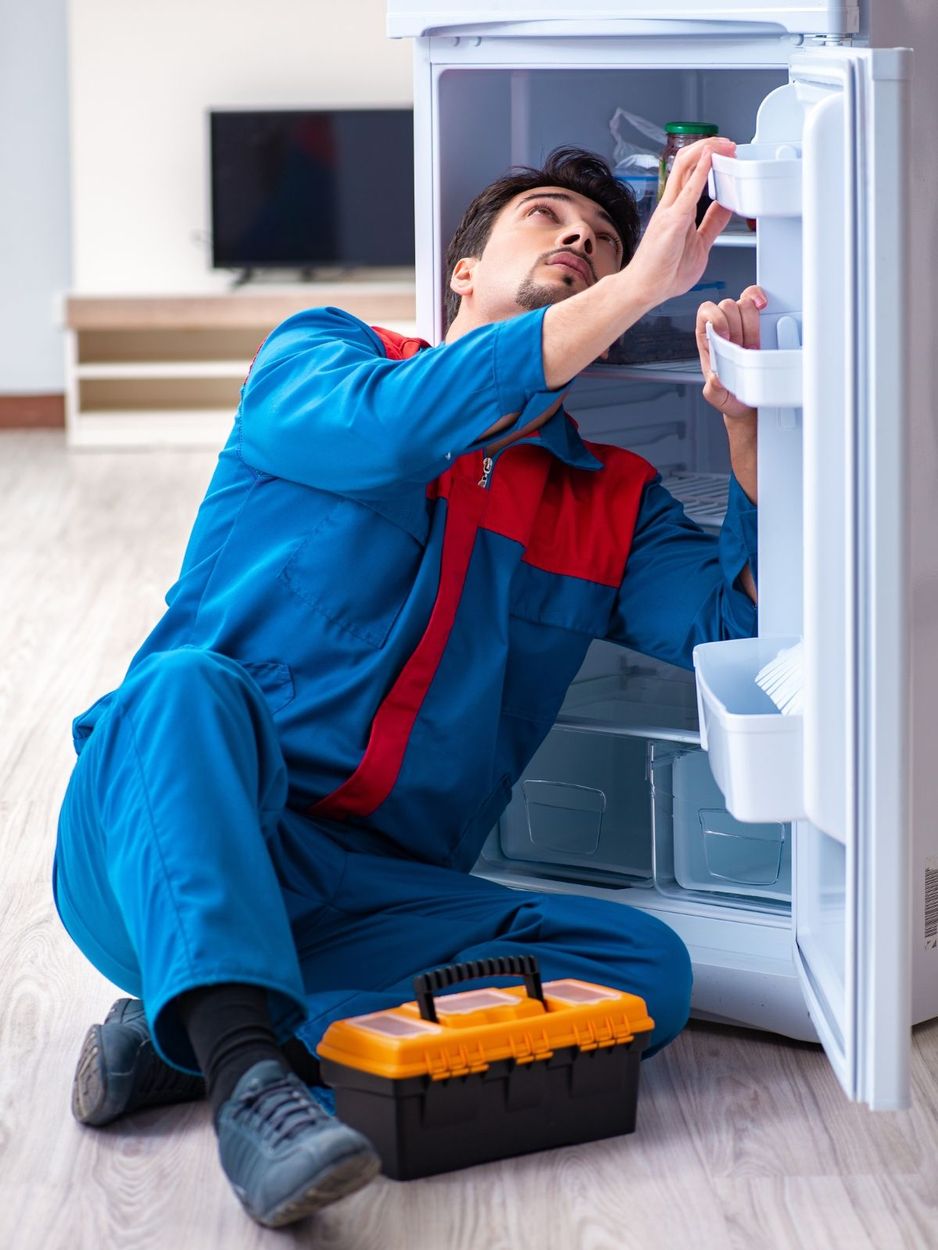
(573, 169)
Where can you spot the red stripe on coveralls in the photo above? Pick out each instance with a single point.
(536, 504)
(396, 346)
(375, 777)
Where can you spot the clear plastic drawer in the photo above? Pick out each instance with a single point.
(709, 849)
(582, 808)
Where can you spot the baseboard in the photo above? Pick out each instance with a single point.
(32, 412)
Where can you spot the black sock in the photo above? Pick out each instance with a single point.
(303, 1062)
(230, 1030)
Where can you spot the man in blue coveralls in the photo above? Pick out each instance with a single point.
(397, 569)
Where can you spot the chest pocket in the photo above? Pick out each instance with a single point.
(359, 564)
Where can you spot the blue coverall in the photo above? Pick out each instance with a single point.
(372, 632)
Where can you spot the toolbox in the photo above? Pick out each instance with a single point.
(446, 1082)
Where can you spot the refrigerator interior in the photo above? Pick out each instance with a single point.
(620, 793)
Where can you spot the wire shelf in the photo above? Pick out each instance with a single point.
(704, 495)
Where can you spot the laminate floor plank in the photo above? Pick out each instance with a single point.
(743, 1139)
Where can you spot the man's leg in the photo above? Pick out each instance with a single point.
(164, 878)
(394, 918)
(119, 1072)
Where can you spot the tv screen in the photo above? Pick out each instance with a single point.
(301, 189)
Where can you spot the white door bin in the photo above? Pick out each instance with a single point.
(761, 180)
(763, 378)
(755, 751)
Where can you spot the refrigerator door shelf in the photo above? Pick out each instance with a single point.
(761, 180)
(755, 752)
(764, 378)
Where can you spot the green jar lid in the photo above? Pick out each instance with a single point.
(692, 128)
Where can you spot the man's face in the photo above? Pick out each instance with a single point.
(544, 246)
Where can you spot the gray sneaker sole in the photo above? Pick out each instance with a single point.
(101, 1095)
(345, 1177)
(90, 1095)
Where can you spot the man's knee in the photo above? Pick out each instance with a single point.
(646, 957)
(654, 963)
(669, 994)
(185, 668)
(170, 682)
(619, 946)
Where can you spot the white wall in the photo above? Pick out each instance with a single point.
(34, 216)
(143, 75)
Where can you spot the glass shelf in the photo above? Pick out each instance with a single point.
(677, 372)
(639, 698)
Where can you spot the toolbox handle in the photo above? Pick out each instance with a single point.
(429, 983)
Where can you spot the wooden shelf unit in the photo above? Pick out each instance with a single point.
(166, 370)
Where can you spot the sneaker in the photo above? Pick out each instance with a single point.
(284, 1156)
(119, 1070)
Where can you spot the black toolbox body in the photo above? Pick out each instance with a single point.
(421, 1126)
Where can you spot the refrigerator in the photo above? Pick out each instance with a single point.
(797, 856)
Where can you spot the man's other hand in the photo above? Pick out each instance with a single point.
(736, 320)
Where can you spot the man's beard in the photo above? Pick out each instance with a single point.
(532, 294)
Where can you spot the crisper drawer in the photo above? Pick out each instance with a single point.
(413, 18)
(581, 807)
(699, 845)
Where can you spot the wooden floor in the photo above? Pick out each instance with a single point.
(743, 1140)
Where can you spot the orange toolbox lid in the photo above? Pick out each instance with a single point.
(462, 1033)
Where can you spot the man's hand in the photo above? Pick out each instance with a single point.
(673, 252)
(737, 321)
(669, 260)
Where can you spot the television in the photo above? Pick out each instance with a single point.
(304, 189)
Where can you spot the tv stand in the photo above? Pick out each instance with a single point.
(167, 370)
(304, 274)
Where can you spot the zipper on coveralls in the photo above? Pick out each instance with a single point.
(487, 463)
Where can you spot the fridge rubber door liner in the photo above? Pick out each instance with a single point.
(755, 753)
(761, 180)
(762, 377)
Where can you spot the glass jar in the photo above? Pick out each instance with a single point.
(681, 135)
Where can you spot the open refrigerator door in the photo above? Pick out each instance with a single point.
(826, 178)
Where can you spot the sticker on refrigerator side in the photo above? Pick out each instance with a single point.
(931, 903)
